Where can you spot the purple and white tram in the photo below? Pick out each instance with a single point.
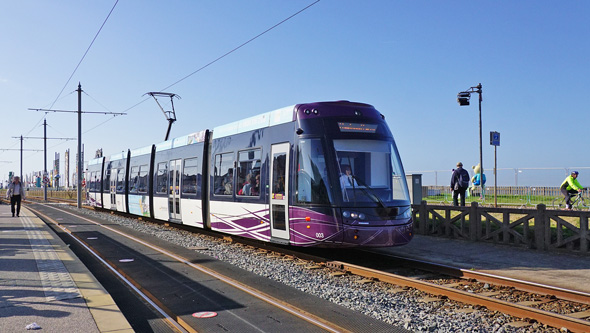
(324, 174)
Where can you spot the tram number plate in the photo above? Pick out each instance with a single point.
(319, 235)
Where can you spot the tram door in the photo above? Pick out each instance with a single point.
(113, 188)
(174, 191)
(279, 189)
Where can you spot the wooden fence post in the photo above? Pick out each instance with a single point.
(423, 225)
(583, 233)
(474, 225)
(540, 220)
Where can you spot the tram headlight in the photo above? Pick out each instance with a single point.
(354, 215)
(346, 214)
(362, 216)
(406, 214)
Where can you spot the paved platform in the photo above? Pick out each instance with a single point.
(43, 282)
(561, 269)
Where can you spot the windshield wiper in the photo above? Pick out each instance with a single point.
(370, 195)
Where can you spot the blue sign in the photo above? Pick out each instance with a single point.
(494, 138)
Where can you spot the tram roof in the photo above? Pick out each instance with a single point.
(276, 117)
(184, 140)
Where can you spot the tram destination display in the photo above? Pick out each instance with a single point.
(356, 127)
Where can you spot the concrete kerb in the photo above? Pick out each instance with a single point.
(104, 310)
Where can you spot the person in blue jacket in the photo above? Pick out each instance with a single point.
(459, 184)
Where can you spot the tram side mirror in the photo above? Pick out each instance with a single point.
(299, 131)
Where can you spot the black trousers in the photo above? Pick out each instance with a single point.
(15, 199)
(568, 195)
(456, 193)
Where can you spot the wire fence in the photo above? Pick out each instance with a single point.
(509, 196)
(531, 177)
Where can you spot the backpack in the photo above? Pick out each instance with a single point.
(463, 178)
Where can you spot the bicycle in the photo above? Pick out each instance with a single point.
(577, 200)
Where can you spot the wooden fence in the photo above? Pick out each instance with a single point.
(537, 228)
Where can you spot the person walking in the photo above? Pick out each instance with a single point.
(459, 184)
(570, 187)
(16, 193)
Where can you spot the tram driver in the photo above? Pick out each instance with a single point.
(347, 179)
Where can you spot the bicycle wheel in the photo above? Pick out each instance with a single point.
(581, 204)
(559, 203)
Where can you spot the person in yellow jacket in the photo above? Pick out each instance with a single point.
(570, 188)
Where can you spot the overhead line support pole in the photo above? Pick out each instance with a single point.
(80, 161)
(21, 158)
(45, 160)
(80, 158)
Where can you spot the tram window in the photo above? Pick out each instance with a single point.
(248, 171)
(189, 176)
(121, 180)
(113, 184)
(92, 182)
(142, 179)
(312, 176)
(106, 183)
(223, 175)
(133, 179)
(96, 185)
(279, 164)
(97, 179)
(161, 178)
(374, 166)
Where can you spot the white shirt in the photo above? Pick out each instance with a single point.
(348, 181)
(15, 189)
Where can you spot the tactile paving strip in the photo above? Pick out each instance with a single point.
(56, 280)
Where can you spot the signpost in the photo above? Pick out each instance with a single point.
(495, 141)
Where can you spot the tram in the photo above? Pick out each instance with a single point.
(325, 174)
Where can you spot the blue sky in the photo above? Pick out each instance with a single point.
(407, 58)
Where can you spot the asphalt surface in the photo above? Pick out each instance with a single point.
(44, 285)
(185, 291)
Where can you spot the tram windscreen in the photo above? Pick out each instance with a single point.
(370, 171)
(311, 174)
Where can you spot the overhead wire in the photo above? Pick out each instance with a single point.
(212, 62)
(43, 117)
(228, 53)
(183, 78)
(75, 69)
(85, 53)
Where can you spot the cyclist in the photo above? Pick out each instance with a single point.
(570, 188)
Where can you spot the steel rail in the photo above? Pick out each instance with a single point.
(300, 313)
(533, 287)
(131, 284)
(545, 317)
(517, 310)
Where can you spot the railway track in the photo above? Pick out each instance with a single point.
(177, 319)
(555, 307)
(516, 298)
(532, 302)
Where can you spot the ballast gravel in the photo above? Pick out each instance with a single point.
(400, 307)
